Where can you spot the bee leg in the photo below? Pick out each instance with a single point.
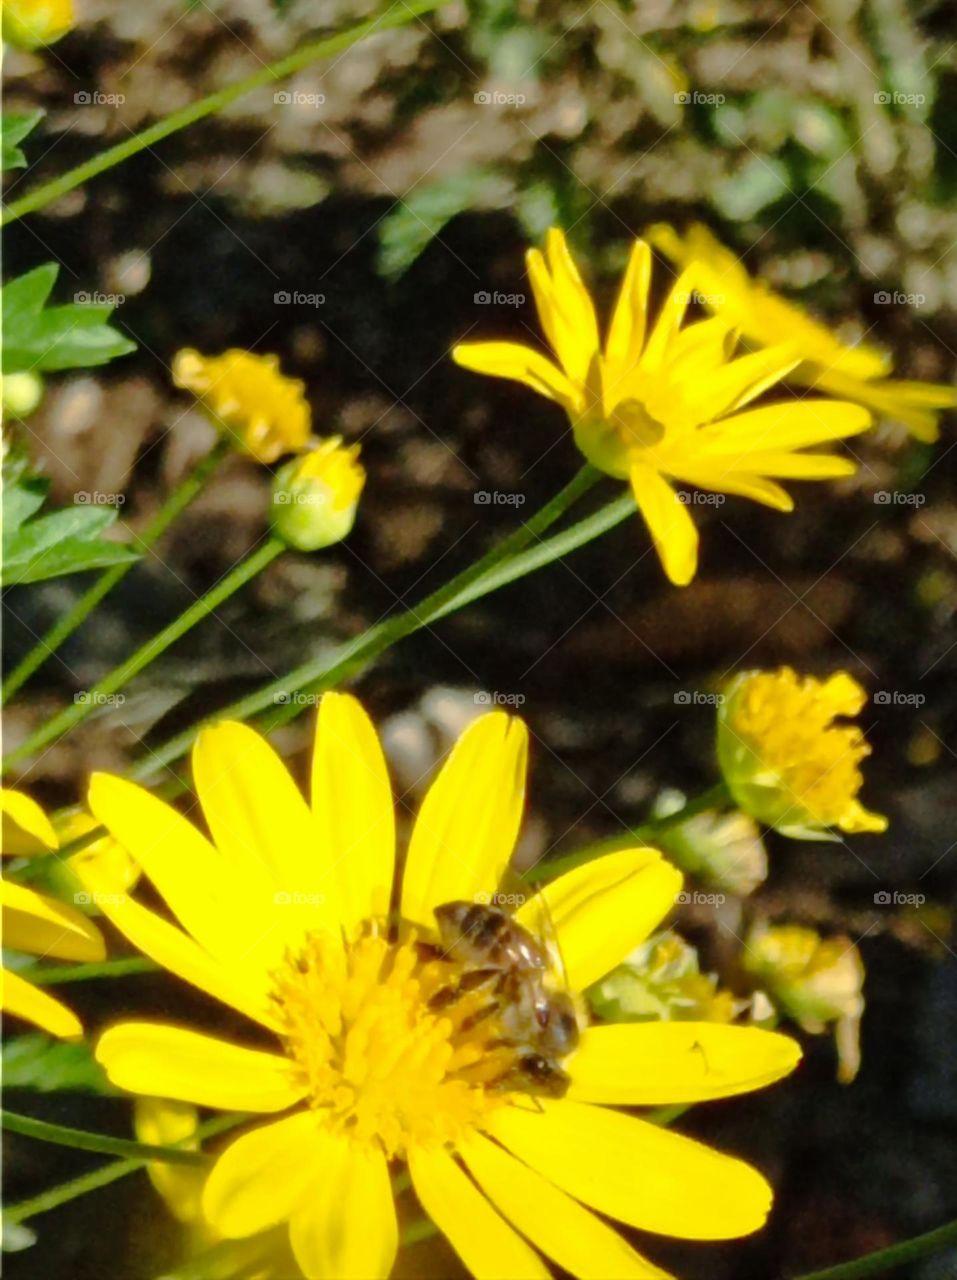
(480, 1015)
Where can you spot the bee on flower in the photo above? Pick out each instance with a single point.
(668, 402)
(379, 1043)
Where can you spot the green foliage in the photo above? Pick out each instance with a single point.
(406, 231)
(41, 338)
(14, 127)
(44, 1065)
(49, 546)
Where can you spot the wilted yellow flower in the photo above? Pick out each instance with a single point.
(785, 760)
(380, 1053)
(818, 982)
(261, 410)
(723, 849)
(37, 924)
(858, 373)
(664, 404)
(314, 497)
(662, 979)
(27, 24)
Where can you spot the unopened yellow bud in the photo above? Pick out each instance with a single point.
(27, 24)
(661, 980)
(785, 760)
(315, 496)
(721, 849)
(817, 981)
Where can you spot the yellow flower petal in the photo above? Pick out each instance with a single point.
(798, 466)
(160, 1122)
(521, 364)
(601, 911)
(26, 828)
(264, 830)
(555, 1223)
(669, 523)
(626, 334)
(171, 1062)
(657, 1063)
(24, 1000)
(564, 306)
(742, 380)
(44, 927)
(669, 320)
(635, 1171)
(716, 476)
(261, 1177)
(183, 865)
(353, 808)
(779, 427)
(487, 1245)
(465, 831)
(243, 988)
(346, 1227)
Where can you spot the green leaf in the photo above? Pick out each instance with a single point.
(37, 337)
(45, 1065)
(407, 230)
(49, 546)
(14, 127)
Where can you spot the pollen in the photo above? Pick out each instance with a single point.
(788, 722)
(389, 1046)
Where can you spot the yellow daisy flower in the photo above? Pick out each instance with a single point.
(785, 760)
(37, 924)
(858, 373)
(665, 403)
(385, 1047)
(264, 412)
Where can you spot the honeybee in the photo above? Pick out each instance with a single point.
(500, 955)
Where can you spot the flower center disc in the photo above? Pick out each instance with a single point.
(391, 1042)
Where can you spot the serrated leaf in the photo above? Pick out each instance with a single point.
(38, 338)
(44, 1065)
(14, 127)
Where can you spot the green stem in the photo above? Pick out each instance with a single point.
(54, 975)
(103, 1144)
(873, 1264)
(63, 628)
(396, 15)
(103, 1176)
(715, 797)
(70, 717)
(278, 699)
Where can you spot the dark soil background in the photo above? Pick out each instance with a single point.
(827, 191)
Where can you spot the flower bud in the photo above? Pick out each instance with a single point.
(786, 762)
(315, 496)
(21, 393)
(659, 981)
(720, 849)
(816, 981)
(28, 24)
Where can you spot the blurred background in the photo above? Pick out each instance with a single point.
(358, 224)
